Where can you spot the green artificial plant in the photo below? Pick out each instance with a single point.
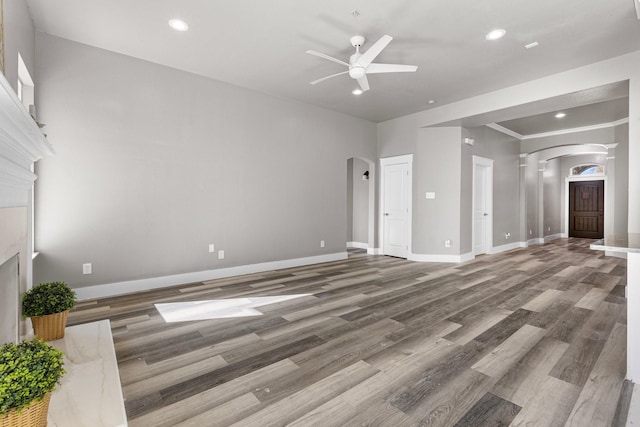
(48, 298)
(28, 371)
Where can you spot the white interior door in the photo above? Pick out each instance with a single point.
(482, 205)
(395, 209)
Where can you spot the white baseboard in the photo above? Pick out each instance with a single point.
(535, 241)
(358, 245)
(622, 255)
(564, 235)
(507, 247)
(131, 286)
(374, 251)
(441, 258)
(551, 237)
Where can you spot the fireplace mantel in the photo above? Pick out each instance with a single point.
(21, 144)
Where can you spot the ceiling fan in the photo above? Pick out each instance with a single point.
(361, 64)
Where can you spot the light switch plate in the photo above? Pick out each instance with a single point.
(430, 195)
(86, 268)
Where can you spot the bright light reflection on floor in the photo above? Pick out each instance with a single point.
(218, 309)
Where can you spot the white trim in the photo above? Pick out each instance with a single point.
(507, 247)
(551, 237)
(636, 3)
(488, 163)
(374, 251)
(504, 130)
(408, 159)
(441, 258)
(131, 286)
(358, 245)
(514, 134)
(21, 143)
(575, 130)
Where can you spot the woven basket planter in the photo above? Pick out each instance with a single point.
(50, 327)
(34, 415)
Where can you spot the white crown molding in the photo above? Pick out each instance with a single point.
(132, 286)
(576, 130)
(514, 134)
(504, 130)
(637, 5)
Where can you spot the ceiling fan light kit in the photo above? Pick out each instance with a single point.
(361, 64)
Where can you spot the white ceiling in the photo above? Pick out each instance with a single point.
(261, 45)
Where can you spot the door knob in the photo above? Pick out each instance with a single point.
(486, 214)
(386, 214)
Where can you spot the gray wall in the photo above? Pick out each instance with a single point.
(436, 168)
(350, 200)
(360, 203)
(553, 185)
(18, 38)
(504, 150)
(153, 164)
(546, 198)
(442, 164)
(622, 179)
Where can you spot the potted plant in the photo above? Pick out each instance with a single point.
(48, 305)
(29, 372)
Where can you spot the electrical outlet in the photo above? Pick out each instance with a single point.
(220, 254)
(447, 243)
(322, 243)
(530, 231)
(507, 236)
(548, 228)
(87, 268)
(212, 248)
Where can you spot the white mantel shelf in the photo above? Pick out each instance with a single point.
(21, 144)
(90, 393)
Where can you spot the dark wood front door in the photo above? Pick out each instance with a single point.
(586, 209)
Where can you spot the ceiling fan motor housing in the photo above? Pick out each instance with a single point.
(357, 71)
(357, 41)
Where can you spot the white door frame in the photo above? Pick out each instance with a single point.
(488, 163)
(408, 159)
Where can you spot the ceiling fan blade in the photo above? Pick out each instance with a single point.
(390, 68)
(364, 83)
(330, 58)
(368, 57)
(328, 77)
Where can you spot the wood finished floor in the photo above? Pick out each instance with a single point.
(533, 336)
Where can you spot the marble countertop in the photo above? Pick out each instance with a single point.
(90, 392)
(619, 243)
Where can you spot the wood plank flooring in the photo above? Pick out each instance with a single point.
(533, 336)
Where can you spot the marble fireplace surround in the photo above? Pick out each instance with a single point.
(22, 143)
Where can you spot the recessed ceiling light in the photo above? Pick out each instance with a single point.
(357, 92)
(530, 45)
(178, 25)
(560, 115)
(495, 34)
(431, 101)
